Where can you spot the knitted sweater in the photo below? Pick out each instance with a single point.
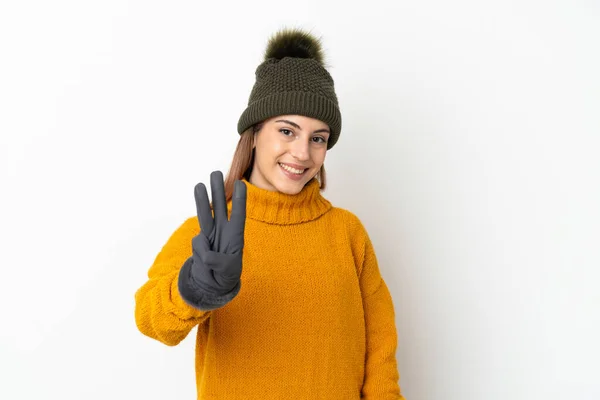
(313, 319)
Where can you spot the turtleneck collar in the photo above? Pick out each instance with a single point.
(285, 209)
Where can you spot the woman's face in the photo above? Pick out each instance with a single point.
(296, 141)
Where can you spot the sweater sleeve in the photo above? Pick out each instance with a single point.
(160, 311)
(381, 370)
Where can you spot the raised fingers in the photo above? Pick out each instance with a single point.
(217, 187)
(205, 218)
(238, 208)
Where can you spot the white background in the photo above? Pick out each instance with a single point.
(469, 149)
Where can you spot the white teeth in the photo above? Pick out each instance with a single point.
(292, 170)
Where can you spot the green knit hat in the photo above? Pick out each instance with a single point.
(293, 80)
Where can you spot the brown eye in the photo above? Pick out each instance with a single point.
(285, 130)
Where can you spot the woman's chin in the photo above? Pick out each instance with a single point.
(288, 186)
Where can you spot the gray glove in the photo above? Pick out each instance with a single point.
(210, 278)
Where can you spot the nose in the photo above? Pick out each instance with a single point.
(300, 149)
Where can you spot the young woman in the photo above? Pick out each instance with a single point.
(284, 288)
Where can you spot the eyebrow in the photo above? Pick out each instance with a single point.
(295, 125)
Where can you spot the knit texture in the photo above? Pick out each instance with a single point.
(313, 319)
(293, 85)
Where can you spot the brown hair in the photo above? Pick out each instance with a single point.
(243, 161)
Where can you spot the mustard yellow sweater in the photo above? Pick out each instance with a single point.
(313, 319)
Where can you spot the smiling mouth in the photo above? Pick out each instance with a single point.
(292, 170)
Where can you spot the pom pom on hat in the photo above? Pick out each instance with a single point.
(290, 42)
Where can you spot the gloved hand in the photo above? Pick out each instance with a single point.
(210, 278)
